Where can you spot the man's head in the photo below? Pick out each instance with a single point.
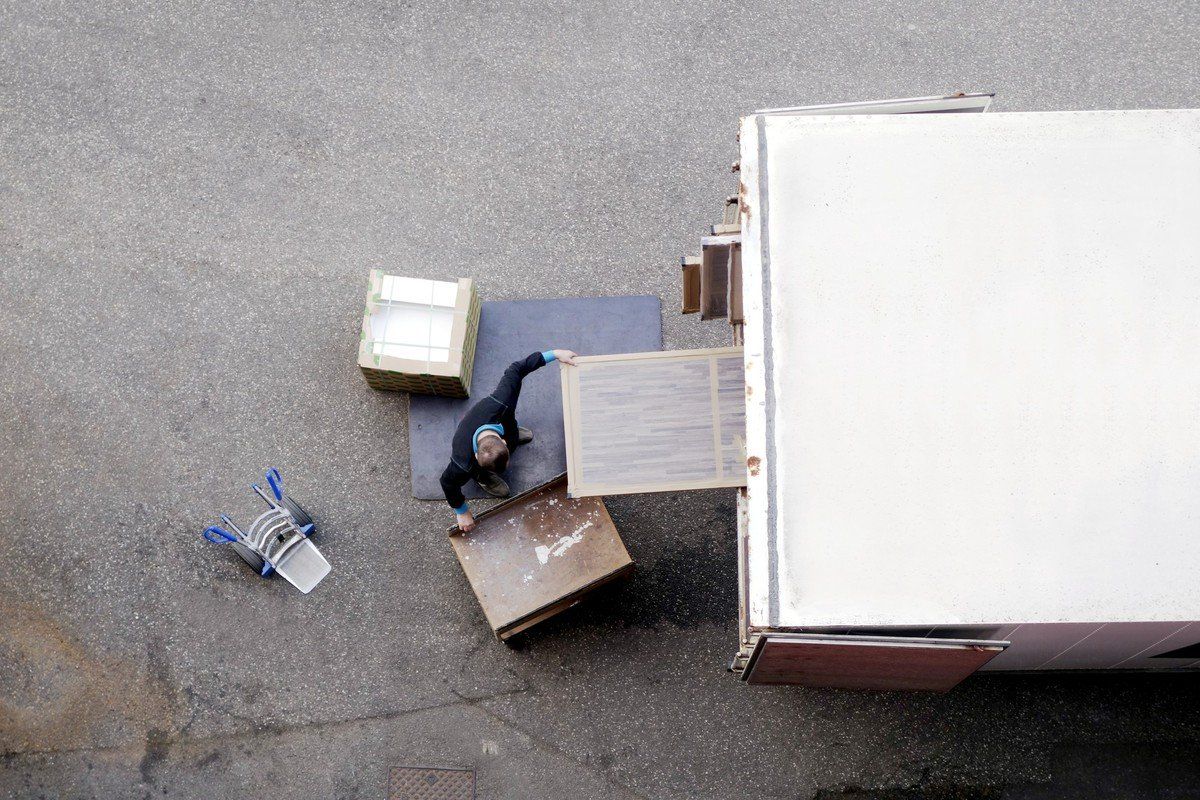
(493, 453)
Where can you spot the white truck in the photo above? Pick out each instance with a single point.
(972, 355)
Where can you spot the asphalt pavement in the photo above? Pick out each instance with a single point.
(191, 196)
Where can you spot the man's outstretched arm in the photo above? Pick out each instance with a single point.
(509, 388)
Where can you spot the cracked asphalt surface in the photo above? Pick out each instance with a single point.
(191, 195)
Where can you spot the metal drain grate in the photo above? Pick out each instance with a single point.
(431, 783)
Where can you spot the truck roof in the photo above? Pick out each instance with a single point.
(972, 347)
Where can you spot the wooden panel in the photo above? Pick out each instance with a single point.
(856, 662)
(731, 213)
(691, 284)
(734, 289)
(537, 554)
(731, 415)
(714, 281)
(655, 422)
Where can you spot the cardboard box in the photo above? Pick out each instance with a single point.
(419, 335)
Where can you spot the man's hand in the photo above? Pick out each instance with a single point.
(566, 356)
(466, 523)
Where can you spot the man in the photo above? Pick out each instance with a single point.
(488, 434)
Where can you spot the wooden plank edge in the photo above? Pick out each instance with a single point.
(454, 530)
(562, 604)
(569, 377)
(675, 354)
(731, 482)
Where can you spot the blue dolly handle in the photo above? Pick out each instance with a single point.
(276, 483)
(218, 535)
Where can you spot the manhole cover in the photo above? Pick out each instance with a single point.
(431, 783)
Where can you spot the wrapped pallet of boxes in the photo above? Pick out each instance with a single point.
(419, 335)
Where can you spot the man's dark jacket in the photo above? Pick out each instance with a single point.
(498, 407)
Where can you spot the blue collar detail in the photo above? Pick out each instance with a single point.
(475, 436)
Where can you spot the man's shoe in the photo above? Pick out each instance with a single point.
(492, 483)
(524, 435)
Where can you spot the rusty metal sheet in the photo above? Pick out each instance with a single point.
(537, 554)
(431, 783)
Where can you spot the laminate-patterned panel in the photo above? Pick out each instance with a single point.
(731, 409)
(646, 420)
(649, 422)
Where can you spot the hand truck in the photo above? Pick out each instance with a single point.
(277, 541)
